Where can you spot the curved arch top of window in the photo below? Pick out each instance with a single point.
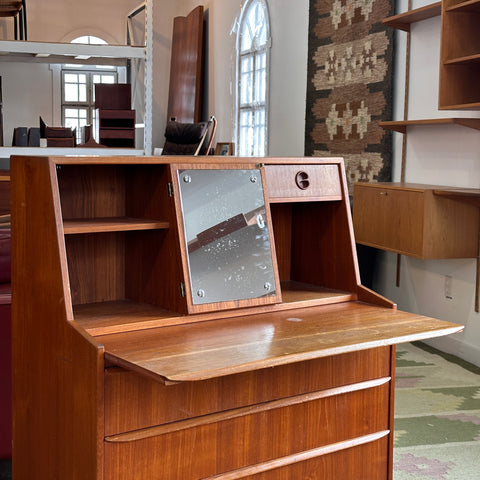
(254, 27)
(89, 40)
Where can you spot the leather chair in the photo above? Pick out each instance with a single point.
(189, 138)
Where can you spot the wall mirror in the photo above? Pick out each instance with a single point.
(227, 234)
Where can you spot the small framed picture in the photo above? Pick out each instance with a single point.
(224, 148)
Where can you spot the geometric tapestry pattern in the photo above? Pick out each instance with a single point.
(437, 418)
(349, 86)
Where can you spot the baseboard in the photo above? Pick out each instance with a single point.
(465, 351)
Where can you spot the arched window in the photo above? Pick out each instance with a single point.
(253, 52)
(78, 88)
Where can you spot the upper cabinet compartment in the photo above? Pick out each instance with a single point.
(460, 55)
(120, 235)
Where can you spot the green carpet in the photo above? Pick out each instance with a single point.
(437, 416)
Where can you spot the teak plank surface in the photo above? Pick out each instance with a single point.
(401, 125)
(403, 20)
(224, 347)
(114, 224)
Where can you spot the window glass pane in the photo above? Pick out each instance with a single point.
(246, 81)
(75, 118)
(71, 77)
(246, 39)
(71, 92)
(82, 90)
(253, 79)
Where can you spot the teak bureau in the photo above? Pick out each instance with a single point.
(189, 318)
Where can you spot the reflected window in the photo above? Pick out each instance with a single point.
(253, 47)
(78, 89)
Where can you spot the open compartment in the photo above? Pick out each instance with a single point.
(314, 251)
(121, 243)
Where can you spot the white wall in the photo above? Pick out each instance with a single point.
(440, 155)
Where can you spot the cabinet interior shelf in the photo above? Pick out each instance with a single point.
(462, 60)
(401, 125)
(123, 224)
(402, 21)
(105, 318)
(470, 6)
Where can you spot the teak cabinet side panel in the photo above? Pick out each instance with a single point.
(58, 426)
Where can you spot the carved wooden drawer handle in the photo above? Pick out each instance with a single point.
(302, 181)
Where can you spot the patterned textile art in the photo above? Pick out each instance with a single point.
(349, 86)
(437, 418)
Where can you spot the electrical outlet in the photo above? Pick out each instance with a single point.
(448, 287)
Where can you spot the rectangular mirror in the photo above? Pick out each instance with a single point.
(227, 234)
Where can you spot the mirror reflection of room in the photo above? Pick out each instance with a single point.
(226, 234)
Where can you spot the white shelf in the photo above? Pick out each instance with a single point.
(6, 152)
(44, 52)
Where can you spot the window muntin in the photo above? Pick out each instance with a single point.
(253, 62)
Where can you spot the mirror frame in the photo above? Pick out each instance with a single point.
(276, 296)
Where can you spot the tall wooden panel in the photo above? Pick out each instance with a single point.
(186, 68)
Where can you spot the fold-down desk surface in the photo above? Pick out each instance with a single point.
(222, 347)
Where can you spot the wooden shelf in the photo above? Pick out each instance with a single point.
(401, 125)
(121, 316)
(463, 60)
(459, 56)
(402, 21)
(7, 152)
(124, 224)
(470, 6)
(77, 53)
(470, 195)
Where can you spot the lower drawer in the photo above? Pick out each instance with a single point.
(133, 402)
(362, 462)
(210, 445)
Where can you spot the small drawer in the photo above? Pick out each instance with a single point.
(303, 182)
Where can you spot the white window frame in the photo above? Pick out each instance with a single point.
(90, 71)
(257, 129)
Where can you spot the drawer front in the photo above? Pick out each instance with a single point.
(215, 444)
(303, 182)
(133, 402)
(367, 461)
(390, 219)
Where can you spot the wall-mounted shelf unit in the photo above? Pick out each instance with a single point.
(402, 21)
(402, 125)
(459, 55)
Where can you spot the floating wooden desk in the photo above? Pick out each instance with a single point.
(122, 370)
